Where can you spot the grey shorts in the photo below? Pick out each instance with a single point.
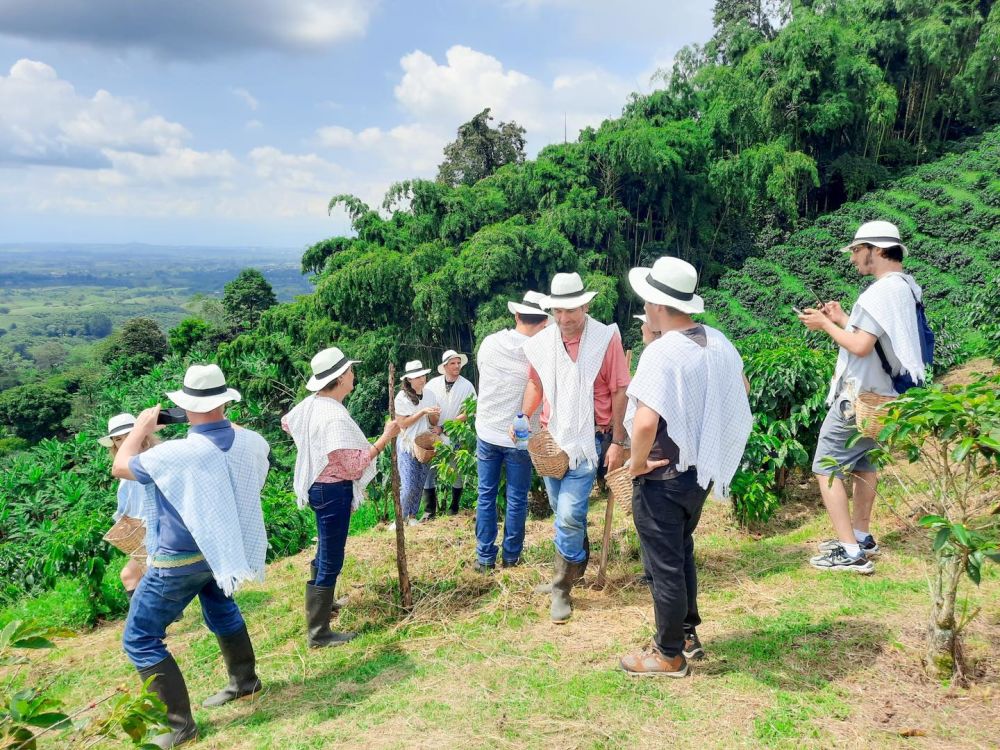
(837, 429)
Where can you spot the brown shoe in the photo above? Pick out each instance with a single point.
(651, 663)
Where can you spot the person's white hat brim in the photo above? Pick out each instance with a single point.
(203, 404)
(530, 305)
(118, 426)
(204, 390)
(319, 381)
(638, 279)
(883, 234)
(464, 359)
(568, 303)
(640, 318)
(417, 373)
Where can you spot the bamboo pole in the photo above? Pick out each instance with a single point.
(404, 574)
(609, 512)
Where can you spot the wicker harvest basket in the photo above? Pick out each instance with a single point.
(869, 411)
(128, 534)
(619, 484)
(548, 458)
(423, 447)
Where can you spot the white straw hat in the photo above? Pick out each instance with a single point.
(204, 389)
(567, 292)
(671, 282)
(878, 233)
(120, 424)
(414, 369)
(530, 305)
(449, 355)
(327, 366)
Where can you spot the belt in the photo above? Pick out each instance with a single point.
(177, 561)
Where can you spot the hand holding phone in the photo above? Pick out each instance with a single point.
(797, 311)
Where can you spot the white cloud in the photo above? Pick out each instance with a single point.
(43, 120)
(190, 28)
(247, 97)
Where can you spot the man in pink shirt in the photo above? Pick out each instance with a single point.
(578, 369)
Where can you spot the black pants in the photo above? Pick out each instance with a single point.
(666, 513)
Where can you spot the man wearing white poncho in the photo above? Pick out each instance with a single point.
(333, 466)
(205, 537)
(882, 321)
(689, 419)
(451, 390)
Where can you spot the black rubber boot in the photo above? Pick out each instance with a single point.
(319, 600)
(338, 604)
(237, 652)
(456, 498)
(430, 503)
(566, 574)
(169, 687)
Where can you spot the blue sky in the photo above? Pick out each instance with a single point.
(232, 122)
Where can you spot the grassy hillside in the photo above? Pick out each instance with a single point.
(949, 215)
(796, 658)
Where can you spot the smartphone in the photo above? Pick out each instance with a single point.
(172, 416)
(818, 298)
(797, 311)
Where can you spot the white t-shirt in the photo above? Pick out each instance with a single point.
(866, 372)
(503, 376)
(404, 408)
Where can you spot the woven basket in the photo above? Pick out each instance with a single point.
(619, 484)
(128, 534)
(869, 412)
(423, 447)
(548, 458)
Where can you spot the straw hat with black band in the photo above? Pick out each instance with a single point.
(204, 390)
(567, 292)
(883, 234)
(670, 282)
(327, 366)
(530, 305)
(414, 369)
(118, 426)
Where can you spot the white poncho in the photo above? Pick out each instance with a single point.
(892, 302)
(450, 401)
(700, 394)
(320, 425)
(503, 375)
(132, 497)
(217, 495)
(569, 386)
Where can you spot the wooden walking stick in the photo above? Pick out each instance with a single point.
(404, 575)
(609, 512)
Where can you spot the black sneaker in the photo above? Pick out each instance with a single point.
(868, 545)
(510, 563)
(838, 559)
(692, 646)
(484, 568)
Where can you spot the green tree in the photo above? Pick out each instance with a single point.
(34, 411)
(137, 347)
(246, 297)
(481, 150)
(187, 335)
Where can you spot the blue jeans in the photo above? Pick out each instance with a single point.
(157, 602)
(331, 502)
(570, 500)
(489, 460)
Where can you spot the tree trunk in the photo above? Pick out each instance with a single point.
(406, 593)
(944, 654)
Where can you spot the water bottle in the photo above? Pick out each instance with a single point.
(522, 431)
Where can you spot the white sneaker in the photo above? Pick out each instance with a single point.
(413, 522)
(391, 526)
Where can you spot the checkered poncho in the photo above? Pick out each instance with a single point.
(217, 495)
(699, 392)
